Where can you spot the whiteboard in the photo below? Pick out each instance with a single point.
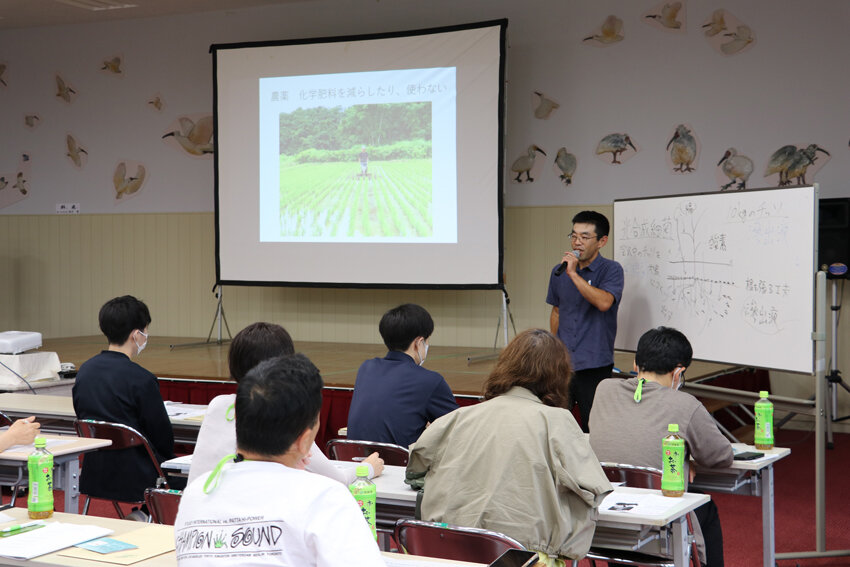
(733, 271)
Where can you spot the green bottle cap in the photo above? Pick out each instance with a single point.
(763, 394)
(40, 442)
(673, 428)
(362, 470)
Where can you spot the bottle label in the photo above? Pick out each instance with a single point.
(366, 494)
(764, 424)
(673, 469)
(40, 495)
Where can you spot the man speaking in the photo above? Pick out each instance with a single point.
(584, 292)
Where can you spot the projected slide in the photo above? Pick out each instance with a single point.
(359, 157)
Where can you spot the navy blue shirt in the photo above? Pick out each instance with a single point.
(588, 332)
(394, 398)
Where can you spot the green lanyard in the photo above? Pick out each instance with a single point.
(639, 390)
(215, 476)
(229, 415)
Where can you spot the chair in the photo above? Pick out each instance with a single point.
(452, 542)
(122, 437)
(350, 450)
(5, 420)
(163, 504)
(638, 477)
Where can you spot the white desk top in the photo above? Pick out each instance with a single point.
(74, 445)
(63, 407)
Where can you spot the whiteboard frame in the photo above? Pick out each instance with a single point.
(696, 342)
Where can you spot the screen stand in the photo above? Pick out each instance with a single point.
(218, 319)
(834, 377)
(504, 315)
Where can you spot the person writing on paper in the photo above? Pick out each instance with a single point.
(630, 417)
(111, 387)
(253, 344)
(22, 432)
(584, 292)
(258, 506)
(517, 463)
(395, 397)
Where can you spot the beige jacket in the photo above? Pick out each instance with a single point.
(516, 466)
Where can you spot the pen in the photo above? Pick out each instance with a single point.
(19, 527)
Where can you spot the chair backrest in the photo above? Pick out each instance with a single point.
(351, 450)
(122, 437)
(163, 504)
(452, 542)
(632, 475)
(5, 420)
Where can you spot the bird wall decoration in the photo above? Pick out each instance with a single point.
(113, 65)
(668, 16)
(683, 150)
(195, 137)
(21, 183)
(716, 24)
(525, 163)
(735, 167)
(616, 145)
(157, 103)
(2, 71)
(31, 120)
(792, 163)
(126, 186)
(63, 90)
(609, 33)
(75, 151)
(545, 106)
(727, 34)
(566, 164)
(740, 38)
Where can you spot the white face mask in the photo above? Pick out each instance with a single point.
(681, 381)
(142, 346)
(422, 357)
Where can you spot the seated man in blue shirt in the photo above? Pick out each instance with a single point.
(394, 397)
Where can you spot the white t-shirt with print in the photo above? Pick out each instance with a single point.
(265, 513)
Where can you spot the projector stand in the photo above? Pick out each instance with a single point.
(504, 315)
(217, 320)
(834, 377)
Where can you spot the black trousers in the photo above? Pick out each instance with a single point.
(583, 388)
(709, 522)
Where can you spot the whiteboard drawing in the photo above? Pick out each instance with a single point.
(609, 33)
(525, 163)
(566, 164)
(668, 16)
(735, 167)
(616, 145)
(709, 265)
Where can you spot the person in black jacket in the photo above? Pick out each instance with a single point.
(111, 387)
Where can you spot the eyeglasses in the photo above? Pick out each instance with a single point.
(583, 237)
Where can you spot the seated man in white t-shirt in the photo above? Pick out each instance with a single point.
(259, 506)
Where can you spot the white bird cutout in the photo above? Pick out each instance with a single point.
(735, 167)
(74, 150)
(741, 38)
(21, 184)
(194, 137)
(63, 91)
(610, 32)
(545, 106)
(523, 164)
(127, 185)
(668, 16)
(717, 23)
(566, 163)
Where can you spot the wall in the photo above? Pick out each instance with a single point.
(788, 88)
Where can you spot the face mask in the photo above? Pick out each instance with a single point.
(681, 381)
(422, 357)
(143, 345)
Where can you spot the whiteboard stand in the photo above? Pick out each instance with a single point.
(819, 337)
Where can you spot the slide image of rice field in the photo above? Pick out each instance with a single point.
(337, 201)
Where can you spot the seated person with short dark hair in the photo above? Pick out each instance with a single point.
(394, 397)
(258, 506)
(630, 417)
(111, 387)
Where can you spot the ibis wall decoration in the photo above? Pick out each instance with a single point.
(75, 152)
(683, 150)
(113, 65)
(565, 165)
(618, 145)
(726, 34)
(734, 169)
(14, 186)
(32, 120)
(792, 163)
(609, 33)
(156, 102)
(525, 163)
(667, 16)
(64, 90)
(544, 106)
(193, 135)
(128, 178)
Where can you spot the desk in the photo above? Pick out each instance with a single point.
(752, 478)
(161, 532)
(57, 415)
(623, 530)
(66, 463)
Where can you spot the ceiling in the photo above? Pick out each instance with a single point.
(35, 13)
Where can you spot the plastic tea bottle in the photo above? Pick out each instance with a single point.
(673, 466)
(40, 468)
(365, 493)
(764, 422)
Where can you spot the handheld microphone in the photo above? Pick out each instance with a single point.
(563, 265)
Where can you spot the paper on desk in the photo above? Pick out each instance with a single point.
(53, 537)
(51, 444)
(400, 560)
(185, 411)
(147, 541)
(643, 504)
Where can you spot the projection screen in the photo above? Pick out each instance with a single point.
(365, 161)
